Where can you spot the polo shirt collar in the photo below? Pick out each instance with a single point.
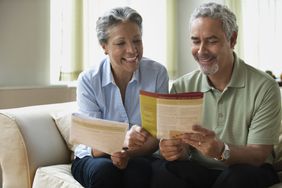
(239, 73)
(205, 84)
(237, 78)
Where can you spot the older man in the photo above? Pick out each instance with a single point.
(241, 114)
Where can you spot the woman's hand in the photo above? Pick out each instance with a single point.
(173, 149)
(135, 137)
(120, 159)
(97, 153)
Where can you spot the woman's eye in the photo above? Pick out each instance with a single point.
(137, 41)
(120, 43)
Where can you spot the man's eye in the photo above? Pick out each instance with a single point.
(195, 41)
(212, 41)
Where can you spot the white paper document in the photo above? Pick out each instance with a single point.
(103, 135)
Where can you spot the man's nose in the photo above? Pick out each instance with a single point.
(202, 48)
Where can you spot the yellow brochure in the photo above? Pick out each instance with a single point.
(167, 115)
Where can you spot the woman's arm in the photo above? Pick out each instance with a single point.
(140, 142)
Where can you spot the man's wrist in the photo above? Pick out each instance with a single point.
(224, 154)
(185, 153)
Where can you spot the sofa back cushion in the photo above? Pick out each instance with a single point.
(63, 122)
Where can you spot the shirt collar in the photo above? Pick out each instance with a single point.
(135, 76)
(239, 74)
(205, 84)
(108, 78)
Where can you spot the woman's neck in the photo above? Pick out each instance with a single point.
(122, 79)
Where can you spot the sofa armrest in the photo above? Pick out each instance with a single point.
(0, 177)
(13, 155)
(29, 138)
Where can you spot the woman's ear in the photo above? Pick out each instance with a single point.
(104, 46)
(233, 39)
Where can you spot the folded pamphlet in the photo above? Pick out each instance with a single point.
(168, 115)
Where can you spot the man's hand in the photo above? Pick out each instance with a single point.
(204, 140)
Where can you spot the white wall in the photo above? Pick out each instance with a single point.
(24, 42)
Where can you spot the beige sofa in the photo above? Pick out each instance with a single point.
(33, 148)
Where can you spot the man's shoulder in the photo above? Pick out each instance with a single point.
(259, 85)
(256, 76)
(189, 82)
(192, 77)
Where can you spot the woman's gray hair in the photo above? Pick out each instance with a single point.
(114, 17)
(217, 11)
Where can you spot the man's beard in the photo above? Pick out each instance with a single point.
(209, 70)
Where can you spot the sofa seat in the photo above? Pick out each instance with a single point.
(55, 176)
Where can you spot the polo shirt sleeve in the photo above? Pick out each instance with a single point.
(265, 124)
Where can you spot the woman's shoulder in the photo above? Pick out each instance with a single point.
(148, 63)
(89, 73)
(92, 73)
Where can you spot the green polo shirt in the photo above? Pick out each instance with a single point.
(248, 111)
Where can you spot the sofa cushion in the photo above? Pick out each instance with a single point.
(56, 176)
(63, 122)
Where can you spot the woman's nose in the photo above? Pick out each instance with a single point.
(131, 48)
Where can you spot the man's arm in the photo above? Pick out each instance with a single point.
(253, 154)
(206, 142)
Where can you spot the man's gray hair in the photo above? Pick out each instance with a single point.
(114, 17)
(217, 11)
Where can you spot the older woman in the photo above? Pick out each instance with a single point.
(112, 92)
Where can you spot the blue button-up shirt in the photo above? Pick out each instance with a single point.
(98, 96)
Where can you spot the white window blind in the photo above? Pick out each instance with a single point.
(261, 29)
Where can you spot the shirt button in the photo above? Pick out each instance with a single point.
(220, 115)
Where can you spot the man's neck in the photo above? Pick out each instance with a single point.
(219, 82)
(221, 79)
